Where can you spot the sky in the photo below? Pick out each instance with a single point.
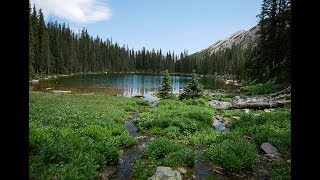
(172, 25)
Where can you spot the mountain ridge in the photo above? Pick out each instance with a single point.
(239, 38)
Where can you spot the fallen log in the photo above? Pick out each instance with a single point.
(260, 105)
(285, 91)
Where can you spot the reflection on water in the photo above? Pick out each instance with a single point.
(128, 85)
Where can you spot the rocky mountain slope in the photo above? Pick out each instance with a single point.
(241, 38)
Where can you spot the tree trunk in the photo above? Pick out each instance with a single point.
(261, 105)
(285, 91)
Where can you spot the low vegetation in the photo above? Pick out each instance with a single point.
(233, 153)
(72, 136)
(163, 152)
(258, 89)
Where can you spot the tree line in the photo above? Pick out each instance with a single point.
(269, 59)
(56, 49)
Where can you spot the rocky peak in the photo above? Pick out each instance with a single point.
(241, 38)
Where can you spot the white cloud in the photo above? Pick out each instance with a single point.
(77, 11)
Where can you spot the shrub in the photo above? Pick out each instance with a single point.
(159, 148)
(163, 152)
(142, 102)
(200, 101)
(233, 154)
(193, 89)
(166, 87)
(261, 89)
(280, 170)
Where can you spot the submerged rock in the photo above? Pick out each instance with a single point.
(165, 173)
(219, 126)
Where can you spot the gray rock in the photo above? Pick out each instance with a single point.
(219, 126)
(270, 150)
(236, 98)
(236, 117)
(165, 173)
(241, 38)
(268, 110)
(60, 91)
(35, 81)
(220, 105)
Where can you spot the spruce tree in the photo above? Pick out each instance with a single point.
(193, 89)
(166, 86)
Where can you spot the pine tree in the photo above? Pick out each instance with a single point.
(31, 45)
(166, 87)
(193, 89)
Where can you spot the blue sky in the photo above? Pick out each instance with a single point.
(172, 25)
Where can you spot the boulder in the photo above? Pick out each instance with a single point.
(270, 150)
(220, 105)
(60, 91)
(35, 81)
(219, 126)
(236, 117)
(182, 170)
(165, 173)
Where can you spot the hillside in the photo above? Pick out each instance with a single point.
(240, 37)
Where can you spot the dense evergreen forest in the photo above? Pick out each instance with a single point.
(56, 49)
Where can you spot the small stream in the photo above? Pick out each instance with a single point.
(129, 156)
(125, 169)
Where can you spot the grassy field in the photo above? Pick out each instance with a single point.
(188, 125)
(72, 136)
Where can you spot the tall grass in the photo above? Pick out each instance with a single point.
(72, 136)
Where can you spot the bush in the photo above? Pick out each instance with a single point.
(165, 91)
(193, 89)
(233, 154)
(163, 152)
(200, 101)
(261, 89)
(159, 148)
(142, 102)
(280, 170)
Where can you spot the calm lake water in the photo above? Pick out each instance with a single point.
(128, 85)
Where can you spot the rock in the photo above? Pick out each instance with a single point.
(47, 89)
(241, 38)
(219, 126)
(35, 81)
(220, 105)
(153, 104)
(60, 91)
(270, 150)
(165, 173)
(272, 156)
(236, 98)
(246, 110)
(182, 170)
(138, 96)
(236, 117)
(194, 177)
(268, 110)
